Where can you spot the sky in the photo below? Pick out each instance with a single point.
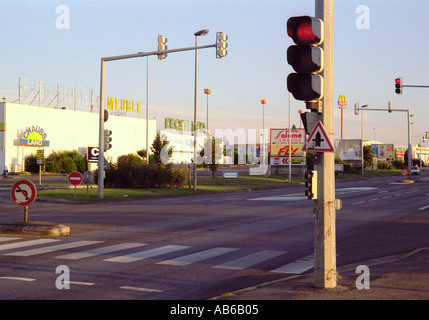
(371, 48)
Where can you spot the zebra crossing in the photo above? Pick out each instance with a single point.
(17, 247)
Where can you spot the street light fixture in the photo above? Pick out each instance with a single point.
(196, 34)
(207, 92)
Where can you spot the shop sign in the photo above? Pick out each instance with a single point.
(123, 105)
(34, 136)
(183, 125)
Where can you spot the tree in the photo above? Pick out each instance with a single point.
(212, 153)
(368, 154)
(159, 143)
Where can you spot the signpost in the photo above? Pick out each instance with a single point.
(75, 178)
(404, 173)
(23, 193)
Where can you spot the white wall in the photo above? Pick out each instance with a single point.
(66, 130)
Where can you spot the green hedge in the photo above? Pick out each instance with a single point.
(128, 174)
(58, 162)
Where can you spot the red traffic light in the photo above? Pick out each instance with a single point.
(305, 30)
(398, 85)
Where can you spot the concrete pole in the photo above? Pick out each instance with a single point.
(101, 135)
(325, 272)
(147, 109)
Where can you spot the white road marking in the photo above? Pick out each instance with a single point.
(28, 243)
(297, 267)
(140, 289)
(32, 252)
(250, 260)
(100, 251)
(146, 254)
(17, 278)
(196, 257)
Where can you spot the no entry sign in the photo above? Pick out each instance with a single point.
(75, 178)
(23, 193)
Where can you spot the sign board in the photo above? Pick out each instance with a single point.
(23, 193)
(318, 140)
(284, 161)
(342, 101)
(75, 178)
(93, 153)
(404, 172)
(227, 175)
(279, 142)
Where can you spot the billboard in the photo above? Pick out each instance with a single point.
(279, 146)
(348, 149)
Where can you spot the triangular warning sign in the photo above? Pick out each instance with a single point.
(318, 141)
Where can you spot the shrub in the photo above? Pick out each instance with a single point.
(384, 165)
(129, 174)
(58, 162)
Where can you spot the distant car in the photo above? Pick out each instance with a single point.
(415, 170)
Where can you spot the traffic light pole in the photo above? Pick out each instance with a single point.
(325, 272)
(409, 133)
(102, 93)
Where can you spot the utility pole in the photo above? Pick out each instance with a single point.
(325, 271)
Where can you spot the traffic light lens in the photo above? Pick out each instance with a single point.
(398, 81)
(305, 33)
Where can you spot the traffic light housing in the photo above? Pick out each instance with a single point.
(107, 139)
(311, 185)
(306, 58)
(221, 45)
(162, 47)
(357, 109)
(398, 86)
(389, 107)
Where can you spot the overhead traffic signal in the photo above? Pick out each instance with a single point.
(357, 109)
(107, 139)
(162, 47)
(398, 85)
(306, 58)
(389, 107)
(221, 45)
(311, 185)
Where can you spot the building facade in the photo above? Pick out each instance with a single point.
(24, 129)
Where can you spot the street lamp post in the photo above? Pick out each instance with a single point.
(196, 34)
(264, 102)
(361, 132)
(207, 92)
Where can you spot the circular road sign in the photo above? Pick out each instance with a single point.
(75, 178)
(404, 172)
(23, 193)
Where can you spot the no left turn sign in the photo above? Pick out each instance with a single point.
(23, 193)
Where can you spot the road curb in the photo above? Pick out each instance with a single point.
(41, 229)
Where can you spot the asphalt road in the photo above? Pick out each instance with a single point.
(203, 246)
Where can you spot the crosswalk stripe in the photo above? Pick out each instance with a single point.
(28, 243)
(147, 254)
(100, 251)
(198, 256)
(250, 260)
(32, 252)
(297, 267)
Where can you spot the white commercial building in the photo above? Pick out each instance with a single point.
(24, 129)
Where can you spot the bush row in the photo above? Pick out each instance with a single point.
(128, 174)
(58, 162)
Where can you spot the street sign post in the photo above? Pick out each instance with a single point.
(23, 193)
(75, 178)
